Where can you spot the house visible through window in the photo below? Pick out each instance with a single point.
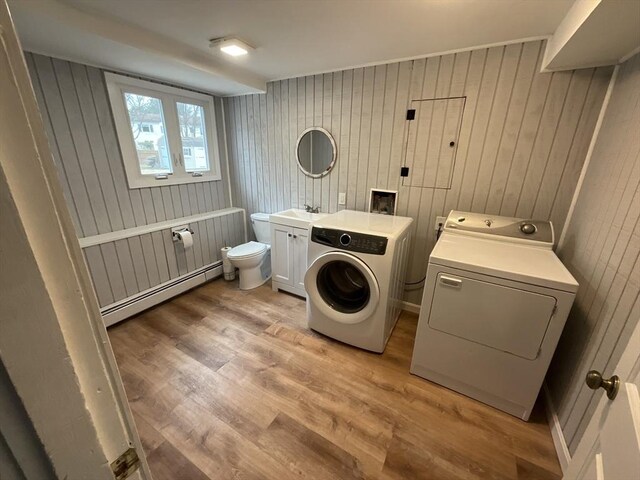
(167, 135)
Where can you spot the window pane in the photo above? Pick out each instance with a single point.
(194, 137)
(147, 126)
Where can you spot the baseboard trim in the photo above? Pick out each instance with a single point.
(562, 450)
(116, 312)
(410, 307)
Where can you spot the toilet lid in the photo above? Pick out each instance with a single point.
(249, 249)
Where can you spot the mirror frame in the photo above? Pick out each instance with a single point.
(333, 159)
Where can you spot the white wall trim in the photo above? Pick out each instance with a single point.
(564, 457)
(415, 57)
(127, 307)
(410, 307)
(154, 227)
(226, 153)
(629, 55)
(587, 160)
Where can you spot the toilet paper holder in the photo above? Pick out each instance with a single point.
(176, 231)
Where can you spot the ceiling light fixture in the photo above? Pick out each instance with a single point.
(231, 46)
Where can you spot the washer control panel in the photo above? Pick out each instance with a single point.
(351, 241)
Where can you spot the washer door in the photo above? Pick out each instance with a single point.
(342, 287)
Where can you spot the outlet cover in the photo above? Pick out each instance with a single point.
(439, 220)
(342, 198)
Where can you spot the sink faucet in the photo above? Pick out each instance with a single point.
(310, 209)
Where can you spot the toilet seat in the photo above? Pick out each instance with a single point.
(247, 250)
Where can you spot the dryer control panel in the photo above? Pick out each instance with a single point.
(351, 241)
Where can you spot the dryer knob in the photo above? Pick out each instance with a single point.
(345, 239)
(528, 228)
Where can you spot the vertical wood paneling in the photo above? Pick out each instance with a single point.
(527, 68)
(61, 131)
(66, 189)
(114, 273)
(99, 276)
(75, 108)
(79, 125)
(139, 266)
(523, 138)
(602, 249)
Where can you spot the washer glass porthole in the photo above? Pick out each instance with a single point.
(343, 286)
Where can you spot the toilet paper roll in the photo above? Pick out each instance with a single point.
(228, 269)
(186, 238)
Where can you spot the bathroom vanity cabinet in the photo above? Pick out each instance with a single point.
(289, 239)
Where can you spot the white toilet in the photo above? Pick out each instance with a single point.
(253, 259)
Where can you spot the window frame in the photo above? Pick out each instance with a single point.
(117, 86)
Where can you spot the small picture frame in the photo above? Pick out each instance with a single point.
(383, 202)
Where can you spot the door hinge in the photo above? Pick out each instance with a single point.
(411, 114)
(125, 464)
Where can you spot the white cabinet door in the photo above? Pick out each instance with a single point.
(300, 239)
(281, 254)
(610, 447)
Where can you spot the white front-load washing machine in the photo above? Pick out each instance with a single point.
(495, 302)
(355, 279)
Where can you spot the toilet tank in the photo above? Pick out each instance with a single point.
(261, 227)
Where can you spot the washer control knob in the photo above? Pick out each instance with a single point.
(345, 239)
(528, 228)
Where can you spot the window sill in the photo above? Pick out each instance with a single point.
(144, 182)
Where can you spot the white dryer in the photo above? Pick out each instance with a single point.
(355, 280)
(495, 302)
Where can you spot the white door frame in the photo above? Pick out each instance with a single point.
(53, 342)
(627, 368)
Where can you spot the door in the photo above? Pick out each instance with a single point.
(300, 245)
(433, 142)
(342, 287)
(610, 447)
(281, 254)
(54, 345)
(508, 319)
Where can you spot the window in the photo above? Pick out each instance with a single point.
(167, 135)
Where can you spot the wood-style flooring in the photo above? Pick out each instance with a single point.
(229, 384)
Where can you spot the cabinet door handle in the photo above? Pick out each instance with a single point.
(450, 281)
(295, 236)
(289, 235)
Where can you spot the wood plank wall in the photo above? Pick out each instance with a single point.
(601, 249)
(524, 138)
(75, 108)
(132, 265)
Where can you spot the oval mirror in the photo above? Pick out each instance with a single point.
(316, 152)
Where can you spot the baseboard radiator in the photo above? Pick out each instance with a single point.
(134, 304)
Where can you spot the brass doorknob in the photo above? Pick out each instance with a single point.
(595, 381)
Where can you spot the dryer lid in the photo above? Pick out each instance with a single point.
(518, 262)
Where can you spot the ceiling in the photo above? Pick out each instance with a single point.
(169, 39)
